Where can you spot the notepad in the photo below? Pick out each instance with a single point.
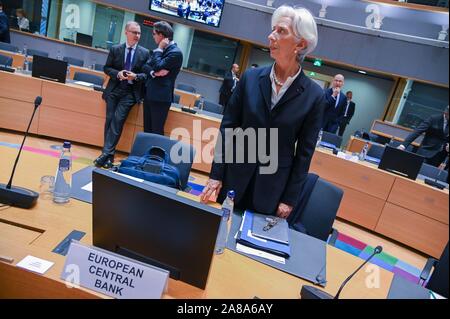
(278, 233)
(84, 83)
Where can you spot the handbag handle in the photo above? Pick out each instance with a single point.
(157, 152)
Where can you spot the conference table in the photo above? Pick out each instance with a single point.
(38, 231)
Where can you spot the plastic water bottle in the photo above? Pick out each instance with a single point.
(363, 153)
(319, 138)
(201, 104)
(63, 180)
(227, 211)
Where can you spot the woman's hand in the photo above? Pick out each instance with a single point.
(284, 210)
(212, 186)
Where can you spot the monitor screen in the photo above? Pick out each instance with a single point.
(401, 162)
(84, 39)
(154, 225)
(203, 11)
(49, 69)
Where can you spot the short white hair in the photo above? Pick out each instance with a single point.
(303, 25)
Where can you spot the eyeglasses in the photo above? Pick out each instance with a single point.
(271, 222)
(135, 32)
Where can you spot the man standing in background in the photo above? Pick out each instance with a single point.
(162, 70)
(124, 68)
(229, 84)
(336, 102)
(348, 113)
(4, 26)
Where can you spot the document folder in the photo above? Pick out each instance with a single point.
(279, 232)
(246, 238)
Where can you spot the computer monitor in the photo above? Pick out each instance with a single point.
(154, 226)
(401, 162)
(84, 39)
(49, 69)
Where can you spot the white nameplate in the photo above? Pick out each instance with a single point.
(112, 274)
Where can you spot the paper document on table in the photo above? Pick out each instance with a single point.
(84, 83)
(348, 157)
(87, 187)
(259, 253)
(35, 264)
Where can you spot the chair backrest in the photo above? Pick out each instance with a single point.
(186, 87)
(376, 151)
(210, 106)
(176, 99)
(433, 172)
(87, 77)
(99, 67)
(32, 52)
(331, 138)
(320, 211)
(144, 141)
(5, 60)
(73, 61)
(439, 278)
(8, 47)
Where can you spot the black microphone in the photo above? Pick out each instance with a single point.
(310, 292)
(19, 196)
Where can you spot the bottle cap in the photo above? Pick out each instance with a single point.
(231, 194)
(66, 144)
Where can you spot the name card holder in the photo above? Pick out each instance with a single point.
(112, 274)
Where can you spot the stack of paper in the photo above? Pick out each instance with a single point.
(274, 241)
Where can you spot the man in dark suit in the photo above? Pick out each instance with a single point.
(126, 78)
(4, 26)
(348, 113)
(434, 146)
(229, 84)
(336, 105)
(162, 70)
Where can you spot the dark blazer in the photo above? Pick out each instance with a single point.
(227, 84)
(160, 89)
(350, 113)
(435, 137)
(333, 113)
(4, 28)
(116, 63)
(298, 118)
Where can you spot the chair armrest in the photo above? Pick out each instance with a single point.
(333, 237)
(425, 274)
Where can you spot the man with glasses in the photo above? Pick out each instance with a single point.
(124, 68)
(162, 70)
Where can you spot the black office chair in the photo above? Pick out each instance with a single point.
(186, 87)
(144, 141)
(176, 99)
(6, 60)
(433, 172)
(319, 213)
(210, 106)
(438, 282)
(73, 61)
(87, 77)
(8, 47)
(376, 151)
(32, 52)
(331, 138)
(99, 67)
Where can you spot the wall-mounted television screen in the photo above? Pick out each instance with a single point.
(208, 12)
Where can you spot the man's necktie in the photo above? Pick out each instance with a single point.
(128, 60)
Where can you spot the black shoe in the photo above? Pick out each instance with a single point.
(101, 160)
(109, 163)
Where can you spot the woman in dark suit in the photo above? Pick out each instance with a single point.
(284, 109)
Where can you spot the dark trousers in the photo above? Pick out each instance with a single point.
(437, 159)
(223, 99)
(342, 127)
(331, 125)
(155, 115)
(118, 104)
